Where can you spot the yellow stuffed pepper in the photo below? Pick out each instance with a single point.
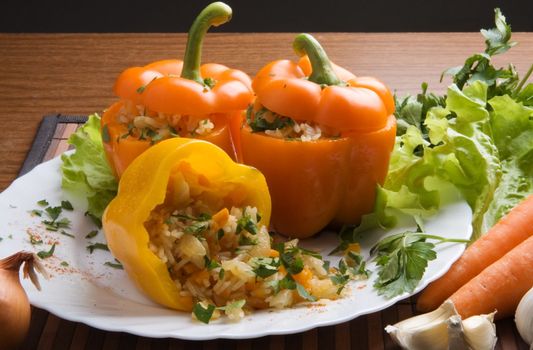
(190, 226)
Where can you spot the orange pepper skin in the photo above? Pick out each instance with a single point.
(331, 180)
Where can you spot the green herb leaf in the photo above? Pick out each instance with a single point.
(237, 304)
(245, 240)
(46, 254)
(65, 233)
(42, 203)
(264, 119)
(292, 263)
(402, 260)
(64, 263)
(114, 265)
(265, 267)
(304, 293)
(66, 205)
(210, 264)
(246, 223)
(53, 212)
(287, 282)
(36, 212)
(203, 314)
(197, 227)
(96, 220)
(92, 247)
(92, 234)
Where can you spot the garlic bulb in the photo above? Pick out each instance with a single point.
(424, 332)
(524, 318)
(444, 329)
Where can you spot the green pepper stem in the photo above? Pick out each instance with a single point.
(306, 44)
(214, 14)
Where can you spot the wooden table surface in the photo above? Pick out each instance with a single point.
(74, 73)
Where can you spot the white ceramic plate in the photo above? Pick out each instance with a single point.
(103, 297)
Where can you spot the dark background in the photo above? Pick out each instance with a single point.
(262, 16)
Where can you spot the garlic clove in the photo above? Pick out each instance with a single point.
(456, 336)
(423, 332)
(524, 318)
(480, 332)
(444, 329)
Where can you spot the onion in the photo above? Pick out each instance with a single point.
(15, 314)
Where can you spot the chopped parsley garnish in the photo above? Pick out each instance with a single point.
(351, 266)
(36, 212)
(291, 261)
(42, 203)
(220, 234)
(264, 119)
(65, 233)
(64, 263)
(115, 265)
(304, 293)
(203, 314)
(96, 220)
(67, 205)
(286, 282)
(46, 254)
(221, 274)
(210, 264)
(197, 227)
(91, 234)
(201, 217)
(56, 225)
(265, 267)
(92, 247)
(53, 212)
(245, 240)
(246, 223)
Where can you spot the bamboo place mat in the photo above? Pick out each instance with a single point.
(47, 331)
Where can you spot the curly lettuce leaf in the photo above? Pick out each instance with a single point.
(512, 127)
(86, 171)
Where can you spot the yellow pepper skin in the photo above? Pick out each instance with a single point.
(154, 178)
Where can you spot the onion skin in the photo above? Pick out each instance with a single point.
(14, 304)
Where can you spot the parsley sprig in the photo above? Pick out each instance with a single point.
(402, 260)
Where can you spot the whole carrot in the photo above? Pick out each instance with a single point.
(509, 232)
(500, 286)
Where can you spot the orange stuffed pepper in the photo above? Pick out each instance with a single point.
(321, 136)
(172, 98)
